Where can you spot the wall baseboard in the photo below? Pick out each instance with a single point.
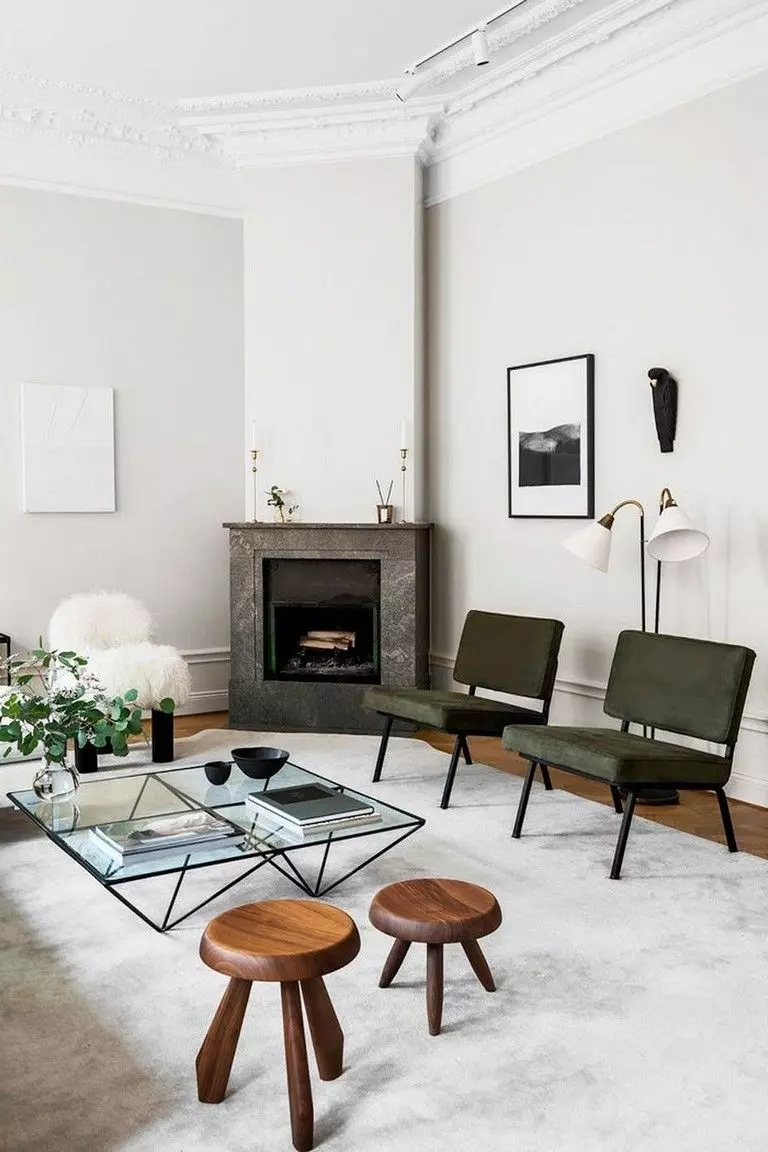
(205, 702)
(209, 668)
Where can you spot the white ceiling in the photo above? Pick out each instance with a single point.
(166, 49)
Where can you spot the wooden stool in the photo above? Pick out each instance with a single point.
(295, 942)
(435, 912)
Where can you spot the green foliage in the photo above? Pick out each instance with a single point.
(276, 497)
(55, 699)
(277, 500)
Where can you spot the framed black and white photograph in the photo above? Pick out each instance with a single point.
(551, 438)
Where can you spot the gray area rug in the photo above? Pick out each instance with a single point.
(629, 1016)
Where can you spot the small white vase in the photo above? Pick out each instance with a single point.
(56, 782)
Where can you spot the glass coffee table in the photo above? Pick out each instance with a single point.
(181, 790)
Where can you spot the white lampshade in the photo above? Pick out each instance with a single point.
(592, 545)
(674, 538)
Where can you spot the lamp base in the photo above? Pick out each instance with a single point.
(659, 796)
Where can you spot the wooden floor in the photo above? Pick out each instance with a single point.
(696, 813)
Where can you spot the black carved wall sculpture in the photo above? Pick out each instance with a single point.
(664, 391)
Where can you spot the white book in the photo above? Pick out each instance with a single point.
(124, 839)
(271, 822)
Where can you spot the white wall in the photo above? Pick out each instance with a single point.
(148, 301)
(333, 332)
(645, 248)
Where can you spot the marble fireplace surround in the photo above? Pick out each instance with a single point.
(403, 551)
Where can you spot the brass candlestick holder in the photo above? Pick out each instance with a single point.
(255, 474)
(403, 469)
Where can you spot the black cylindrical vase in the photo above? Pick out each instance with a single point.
(86, 758)
(162, 736)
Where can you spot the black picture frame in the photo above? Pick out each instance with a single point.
(554, 489)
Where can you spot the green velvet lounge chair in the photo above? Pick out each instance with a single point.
(516, 655)
(686, 687)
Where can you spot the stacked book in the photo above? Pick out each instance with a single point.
(125, 839)
(307, 809)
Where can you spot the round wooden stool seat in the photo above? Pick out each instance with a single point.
(435, 911)
(283, 940)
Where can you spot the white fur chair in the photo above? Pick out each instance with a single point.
(114, 632)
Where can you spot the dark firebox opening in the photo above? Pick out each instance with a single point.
(321, 620)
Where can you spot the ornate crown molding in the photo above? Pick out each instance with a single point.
(294, 127)
(566, 71)
(243, 102)
(85, 128)
(79, 115)
(84, 139)
(645, 57)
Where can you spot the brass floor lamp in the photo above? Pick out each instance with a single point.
(593, 545)
(672, 540)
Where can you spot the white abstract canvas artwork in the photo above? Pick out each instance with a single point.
(68, 448)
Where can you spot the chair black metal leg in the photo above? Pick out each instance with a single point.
(466, 751)
(546, 777)
(383, 748)
(527, 785)
(457, 749)
(616, 793)
(621, 843)
(725, 813)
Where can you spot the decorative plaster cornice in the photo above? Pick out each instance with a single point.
(84, 127)
(27, 82)
(594, 80)
(282, 98)
(335, 124)
(77, 137)
(565, 72)
(582, 49)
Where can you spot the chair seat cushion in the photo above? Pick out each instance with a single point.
(448, 711)
(154, 670)
(622, 758)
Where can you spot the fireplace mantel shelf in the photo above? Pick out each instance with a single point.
(261, 524)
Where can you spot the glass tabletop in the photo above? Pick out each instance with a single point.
(182, 790)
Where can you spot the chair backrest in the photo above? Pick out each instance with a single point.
(691, 687)
(513, 654)
(96, 620)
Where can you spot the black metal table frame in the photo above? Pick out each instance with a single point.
(294, 875)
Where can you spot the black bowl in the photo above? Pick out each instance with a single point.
(259, 763)
(218, 771)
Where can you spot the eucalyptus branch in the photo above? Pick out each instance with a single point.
(54, 698)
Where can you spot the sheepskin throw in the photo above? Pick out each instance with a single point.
(113, 632)
(95, 620)
(154, 670)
